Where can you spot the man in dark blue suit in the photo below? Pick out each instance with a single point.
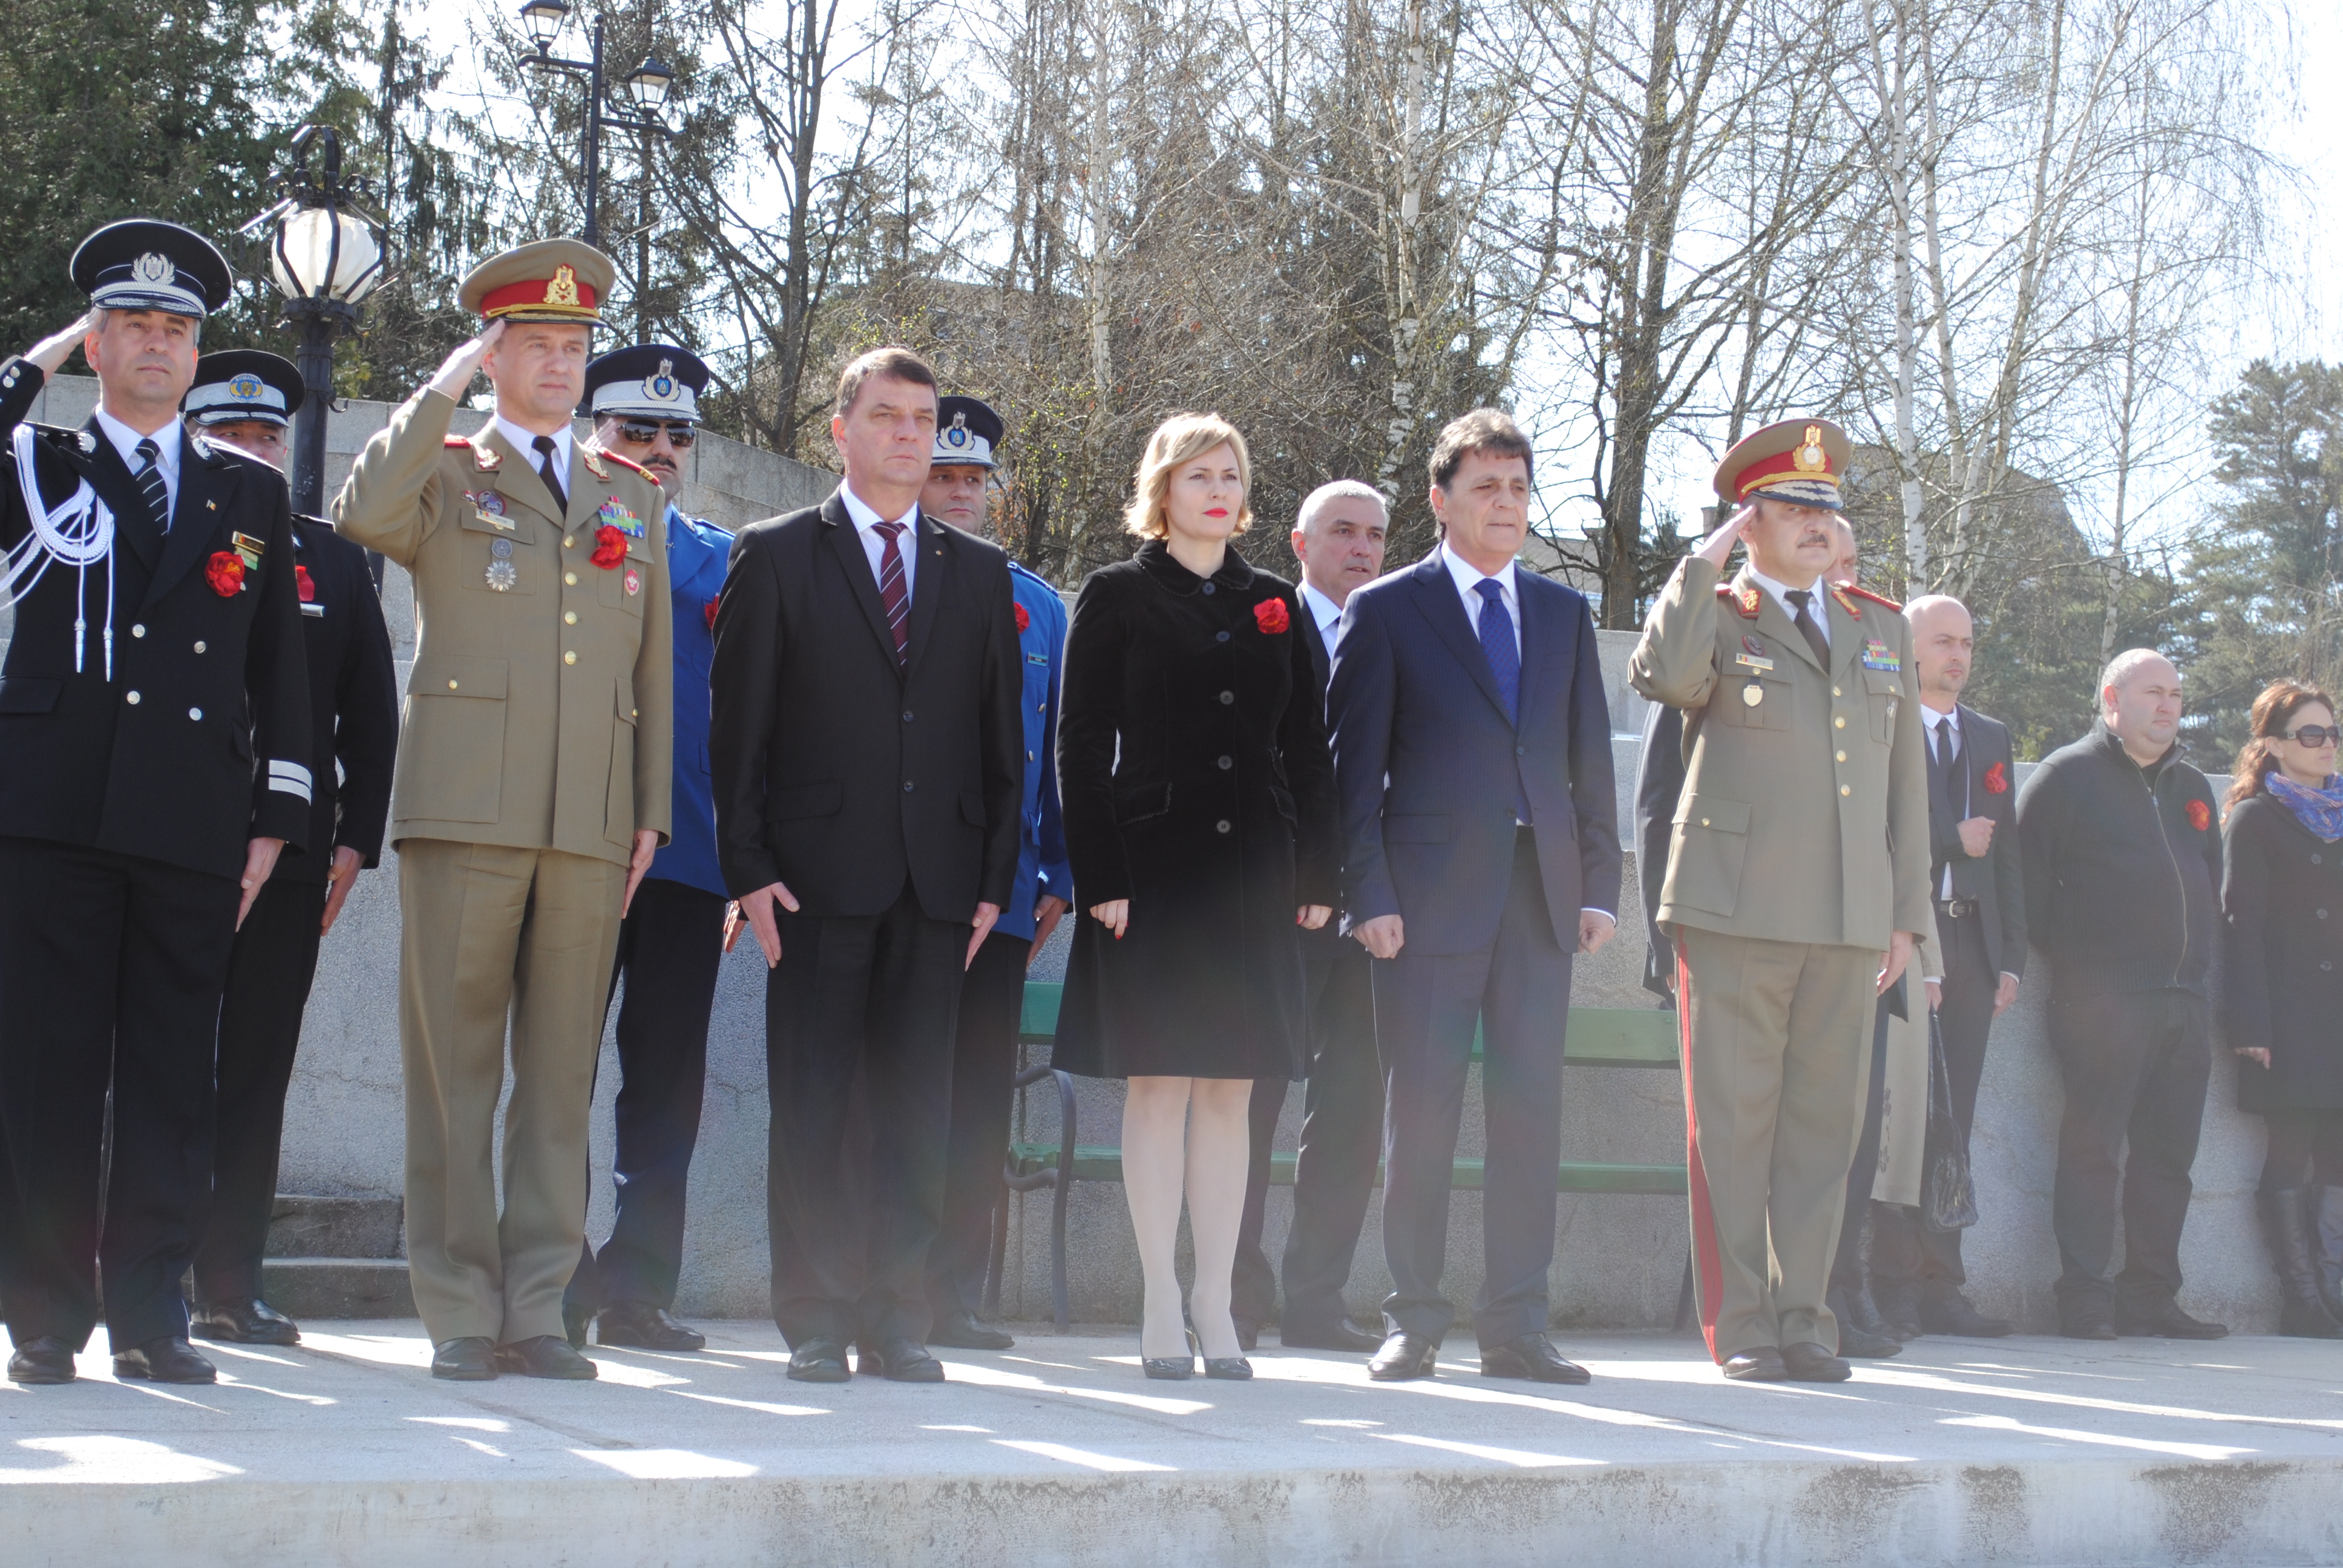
(1473, 757)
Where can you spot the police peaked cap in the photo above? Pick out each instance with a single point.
(967, 433)
(144, 264)
(243, 384)
(645, 381)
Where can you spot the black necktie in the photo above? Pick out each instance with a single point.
(151, 485)
(544, 444)
(1808, 627)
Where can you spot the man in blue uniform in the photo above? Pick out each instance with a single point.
(993, 995)
(645, 403)
(243, 399)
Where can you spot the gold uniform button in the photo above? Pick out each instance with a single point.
(570, 578)
(567, 541)
(569, 617)
(1835, 691)
(1844, 789)
(1842, 756)
(451, 686)
(1704, 821)
(1840, 721)
(570, 658)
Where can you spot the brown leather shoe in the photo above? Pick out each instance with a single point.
(1812, 1363)
(1759, 1363)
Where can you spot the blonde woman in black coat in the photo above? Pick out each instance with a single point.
(2282, 997)
(1197, 797)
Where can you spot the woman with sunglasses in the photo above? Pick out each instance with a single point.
(2282, 902)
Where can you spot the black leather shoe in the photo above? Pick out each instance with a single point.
(1168, 1369)
(2088, 1323)
(1952, 1314)
(906, 1360)
(963, 1330)
(1403, 1356)
(1534, 1357)
(639, 1326)
(575, 1320)
(472, 1358)
(546, 1356)
(1228, 1368)
(1812, 1363)
(2165, 1320)
(1899, 1311)
(1762, 1363)
(819, 1360)
(42, 1361)
(1857, 1336)
(167, 1358)
(1345, 1335)
(254, 1323)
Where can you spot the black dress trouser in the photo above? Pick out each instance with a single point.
(1862, 1173)
(878, 997)
(111, 969)
(984, 1066)
(2135, 1067)
(1341, 1141)
(670, 949)
(269, 969)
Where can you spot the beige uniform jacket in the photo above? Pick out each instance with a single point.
(541, 714)
(1797, 777)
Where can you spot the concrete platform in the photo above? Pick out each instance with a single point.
(2023, 1451)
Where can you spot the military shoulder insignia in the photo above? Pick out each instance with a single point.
(630, 465)
(1848, 592)
(1747, 599)
(615, 514)
(456, 441)
(593, 461)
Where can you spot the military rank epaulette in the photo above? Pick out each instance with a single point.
(483, 457)
(1745, 600)
(629, 463)
(84, 441)
(593, 461)
(1847, 593)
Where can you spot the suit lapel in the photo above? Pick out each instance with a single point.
(1536, 633)
(1774, 621)
(1847, 638)
(846, 544)
(107, 475)
(927, 582)
(205, 486)
(1321, 662)
(1435, 597)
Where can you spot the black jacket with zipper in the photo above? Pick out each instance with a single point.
(2123, 870)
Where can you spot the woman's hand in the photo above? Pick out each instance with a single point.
(1114, 914)
(2256, 1054)
(1310, 916)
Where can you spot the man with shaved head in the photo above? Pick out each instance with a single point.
(2123, 880)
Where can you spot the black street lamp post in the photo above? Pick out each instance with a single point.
(325, 257)
(647, 85)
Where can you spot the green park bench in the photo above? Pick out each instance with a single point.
(1598, 1037)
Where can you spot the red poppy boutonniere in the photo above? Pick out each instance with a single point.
(224, 572)
(1997, 779)
(2200, 815)
(303, 585)
(708, 609)
(609, 547)
(1270, 617)
(1024, 619)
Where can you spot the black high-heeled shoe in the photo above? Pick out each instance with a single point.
(1172, 1368)
(1228, 1368)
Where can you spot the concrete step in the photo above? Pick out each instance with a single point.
(304, 1287)
(320, 1227)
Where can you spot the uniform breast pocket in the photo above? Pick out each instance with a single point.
(627, 585)
(499, 560)
(1705, 862)
(1886, 691)
(1752, 701)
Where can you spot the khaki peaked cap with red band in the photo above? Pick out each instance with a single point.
(547, 280)
(1800, 461)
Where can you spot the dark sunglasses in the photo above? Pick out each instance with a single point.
(2313, 734)
(678, 434)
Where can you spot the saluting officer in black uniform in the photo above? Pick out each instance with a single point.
(154, 759)
(245, 398)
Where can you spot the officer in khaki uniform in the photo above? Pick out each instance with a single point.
(1797, 862)
(532, 788)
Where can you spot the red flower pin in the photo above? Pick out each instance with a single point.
(1024, 620)
(1997, 779)
(1270, 615)
(609, 547)
(708, 610)
(303, 585)
(224, 572)
(2200, 815)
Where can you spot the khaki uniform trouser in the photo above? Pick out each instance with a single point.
(490, 930)
(1776, 1040)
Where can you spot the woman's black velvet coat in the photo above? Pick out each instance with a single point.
(2282, 970)
(1195, 781)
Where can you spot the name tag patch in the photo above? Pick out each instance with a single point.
(1040, 658)
(1877, 655)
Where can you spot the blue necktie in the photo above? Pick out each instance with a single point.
(1497, 646)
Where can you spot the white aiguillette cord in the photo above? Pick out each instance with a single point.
(78, 532)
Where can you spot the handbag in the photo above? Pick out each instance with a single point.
(1947, 1192)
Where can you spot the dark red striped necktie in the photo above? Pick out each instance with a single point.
(891, 595)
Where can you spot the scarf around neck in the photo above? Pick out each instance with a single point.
(2320, 810)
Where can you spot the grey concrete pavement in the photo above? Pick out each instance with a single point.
(2021, 1451)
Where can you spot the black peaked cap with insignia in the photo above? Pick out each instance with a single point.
(645, 381)
(968, 433)
(144, 264)
(243, 384)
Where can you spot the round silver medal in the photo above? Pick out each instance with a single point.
(502, 573)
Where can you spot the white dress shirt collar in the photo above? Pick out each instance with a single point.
(1325, 612)
(167, 448)
(1468, 579)
(525, 443)
(1819, 604)
(874, 543)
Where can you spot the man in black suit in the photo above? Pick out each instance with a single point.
(154, 758)
(1978, 881)
(245, 398)
(1481, 850)
(1338, 537)
(868, 755)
